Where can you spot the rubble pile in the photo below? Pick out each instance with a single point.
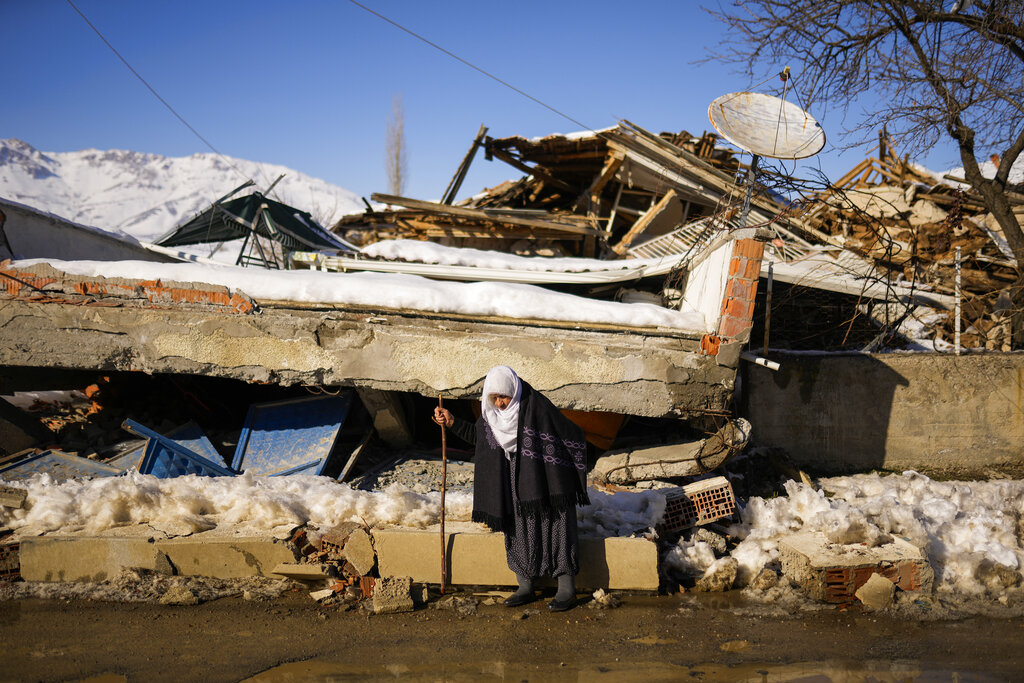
(910, 223)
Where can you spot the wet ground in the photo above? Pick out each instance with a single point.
(647, 638)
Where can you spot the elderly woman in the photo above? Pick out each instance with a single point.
(531, 465)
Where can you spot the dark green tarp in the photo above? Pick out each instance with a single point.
(294, 229)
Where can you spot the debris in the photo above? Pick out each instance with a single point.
(698, 503)
(764, 580)
(19, 430)
(997, 577)
(58, 465)
(359, 552)
(832, 573)
(10, 559)
(12, 497)
(603, 600)
(877, 592)
(719, 577)
(322, 595)
(716, 541)
(179, 595)
(393, 594)
(304, 572)
(676, 460)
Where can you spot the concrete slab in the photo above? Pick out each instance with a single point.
(479, 559)
(599, 367)
(97, 558)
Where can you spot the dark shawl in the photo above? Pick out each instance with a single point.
(552, 464)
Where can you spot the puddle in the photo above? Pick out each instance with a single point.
(805, 672)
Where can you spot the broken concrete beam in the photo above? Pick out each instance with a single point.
(303, 572)
(388, 416)
(359, 552)
(641, 371)
(12, 497)
(687, 459)
(393, 594)
(478, 559)
(833, 573)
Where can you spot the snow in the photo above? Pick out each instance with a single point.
(963, 527)
(429, 252)
(145, 195)
(249, 504)
(988, 170)
(395, 291)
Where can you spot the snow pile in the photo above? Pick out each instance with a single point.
(395, 291)
(275, 505)
(429, 252)
(968, 530)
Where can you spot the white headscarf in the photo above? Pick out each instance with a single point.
(504, 423)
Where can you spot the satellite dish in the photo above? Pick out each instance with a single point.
(766, 126)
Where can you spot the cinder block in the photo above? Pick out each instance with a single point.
(831, 572)
(479, 559)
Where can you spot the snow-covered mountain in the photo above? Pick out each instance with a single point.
(145, 195)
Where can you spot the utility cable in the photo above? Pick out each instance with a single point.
(474, 67)
(155, 93)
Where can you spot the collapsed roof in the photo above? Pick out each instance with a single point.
(251, 216)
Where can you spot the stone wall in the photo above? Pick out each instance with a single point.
(844, 413)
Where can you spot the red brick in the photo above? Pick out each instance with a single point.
(752, 270)
(749, 248)
(730, 327)
(709, 345)
(739, 288)
(737, 265)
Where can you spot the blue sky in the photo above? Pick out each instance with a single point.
(309, 85)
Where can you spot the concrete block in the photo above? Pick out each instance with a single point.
(479, 559)
(225, 557)
(97, 558)
(393, 594)
(833, 573)
(359, 552)
(56, 558)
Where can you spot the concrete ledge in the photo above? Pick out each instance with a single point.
(76, 558)
(479, 559)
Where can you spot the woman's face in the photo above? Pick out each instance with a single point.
(500, 401)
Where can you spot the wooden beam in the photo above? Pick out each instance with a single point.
(660, 210)
(536, 172)
(480, 215)
(460, 172)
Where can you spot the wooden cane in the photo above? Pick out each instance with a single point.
(444, 481)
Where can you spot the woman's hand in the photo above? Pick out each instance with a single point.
(443, 417)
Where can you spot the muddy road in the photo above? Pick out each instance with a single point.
(291, 638)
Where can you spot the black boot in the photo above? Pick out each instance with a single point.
(565, 598)
(523, 595)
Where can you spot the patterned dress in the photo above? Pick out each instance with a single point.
(542, 543)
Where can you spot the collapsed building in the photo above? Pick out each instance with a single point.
(655, 231)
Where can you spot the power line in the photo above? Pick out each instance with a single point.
(474, 67)
(155, 93)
